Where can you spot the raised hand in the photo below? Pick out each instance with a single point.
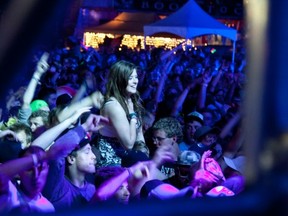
(94, 123)
(205, 157)
(42, 65)
(202, 173)
(163, 154)
(139, 170)
(210, 165)
(206, 78)
(97, 99)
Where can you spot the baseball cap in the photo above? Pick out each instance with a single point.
(188, 158)
(195, 116)
(236, 163)
(157, 189)
(202, 131)
(38, 104)
(83, 142)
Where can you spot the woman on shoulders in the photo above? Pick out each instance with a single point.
(122, 106)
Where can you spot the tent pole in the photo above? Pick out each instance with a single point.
(233, 54)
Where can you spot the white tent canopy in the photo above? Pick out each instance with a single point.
(189, 22)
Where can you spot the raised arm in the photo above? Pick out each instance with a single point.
(108, 188)
(170, 52)
(49, 136)
(181, 99)
(69, 141)
(228, 127)
(216, 80)
(13, 167)
(203, 90)
(165, 69)
(41, 68)
(95, 99)
(59, 149)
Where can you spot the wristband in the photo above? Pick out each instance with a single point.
(37, 80)
(133, 115)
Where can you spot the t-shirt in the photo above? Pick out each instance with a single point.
(61, 192)
(59, 189)
(23, 115)
(183, 146)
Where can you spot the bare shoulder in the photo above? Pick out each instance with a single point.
(111, 102)
(112, 106)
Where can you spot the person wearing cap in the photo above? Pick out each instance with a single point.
(66, 185)
(192, 122)
(206, 138)
(33, 197)
(30, 167)
(183, 166)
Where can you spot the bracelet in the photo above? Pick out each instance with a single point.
(37, 80)
(35, 160)
(133, 115)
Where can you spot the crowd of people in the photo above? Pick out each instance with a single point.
(120, 125)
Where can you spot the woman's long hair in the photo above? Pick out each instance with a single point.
(116, 86)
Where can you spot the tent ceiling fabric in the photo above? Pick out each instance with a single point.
(126, 23)
(188, 22)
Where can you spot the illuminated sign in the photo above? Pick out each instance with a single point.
(218, 9)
